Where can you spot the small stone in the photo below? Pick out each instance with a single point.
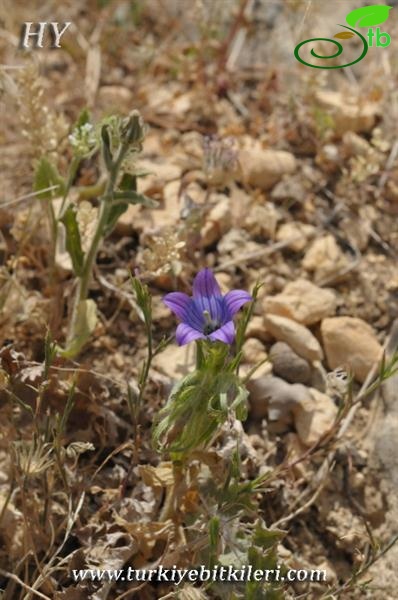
(329, 159)
(240, 202)
(159, 173)
(289, 188)
(298, 337)
(181, 104)
(303, 302)
(115, 97)
(325, 259)
(288, 365)
(131, 219)
(392, 197)
(188, 152)
(194, 192)
(350, 343)
(175, 361)
(374, 505)
(261, 221)
(225, 282)
(356, 229)
(349, 113)
(255, 328)
(297, 233)
(263, 168)
(314, 415)
(355, 145)
(218, 221)
(118, 360)
(312, 412)
(253, 351)
(273, 398)
(236, 242)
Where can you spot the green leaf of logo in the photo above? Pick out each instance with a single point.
(368, 16)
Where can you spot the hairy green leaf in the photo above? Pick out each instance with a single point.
(128, 192)
(200, 403)
(48, 182)
(115, 212)
(128, 182)
(73, 241)
(85, 325)
(121, 203)
(106, 147)
(83, 118)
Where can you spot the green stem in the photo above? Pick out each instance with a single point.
(105, 206)
(200, 357)
(147, 365)
(92, 191)
(71, 175)
(52, 221)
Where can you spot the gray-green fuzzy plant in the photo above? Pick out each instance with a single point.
(117, 141)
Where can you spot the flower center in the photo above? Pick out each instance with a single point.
(210, 324)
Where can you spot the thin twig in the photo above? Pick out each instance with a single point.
(27, 196)
(23, 584)
(261, 252)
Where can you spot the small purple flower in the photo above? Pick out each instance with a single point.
(208, 314)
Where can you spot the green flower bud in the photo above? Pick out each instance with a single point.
(133, 130)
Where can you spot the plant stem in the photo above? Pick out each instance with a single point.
(105, 206)
(53, 219)
(7, 499)
(71, 175)
(52, 222)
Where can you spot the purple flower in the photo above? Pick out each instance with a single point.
(208, 314)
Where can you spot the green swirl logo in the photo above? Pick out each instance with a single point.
(329, 56)
(367, 16)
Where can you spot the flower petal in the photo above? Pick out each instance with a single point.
(205, 284)
(235, 299)
(213, 305)
(195, 316)
(178, 303)
(225, 334)
(186, 334)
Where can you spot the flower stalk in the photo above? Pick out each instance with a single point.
(205, 399)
